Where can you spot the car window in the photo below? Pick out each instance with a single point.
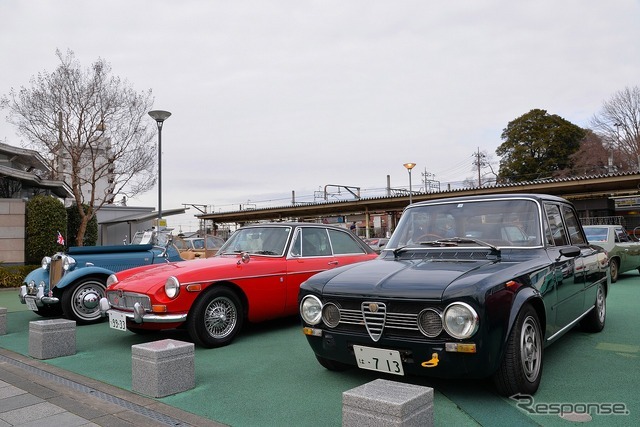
(556, 233)
(257, 240)
(310, 242)
(621, 235)
(508, 222)
(573, 225)
(344, 243)
(596, 234)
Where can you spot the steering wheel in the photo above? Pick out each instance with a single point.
(428, 236)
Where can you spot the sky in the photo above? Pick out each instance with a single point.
(281, 97)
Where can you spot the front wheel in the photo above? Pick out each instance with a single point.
(521, 367)
(81, 300)
(215, 318)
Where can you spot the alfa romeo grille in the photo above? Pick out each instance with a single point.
(394, 321)
(375, 314)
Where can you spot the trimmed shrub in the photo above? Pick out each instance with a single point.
(11, 276)
(46, 217)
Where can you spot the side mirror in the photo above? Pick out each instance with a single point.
(570, 252)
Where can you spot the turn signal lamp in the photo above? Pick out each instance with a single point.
(158, 308)
(455, 347)
(313, 332)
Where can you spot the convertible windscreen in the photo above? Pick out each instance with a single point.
(503, 223)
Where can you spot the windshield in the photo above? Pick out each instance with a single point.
(502, 222)
(257, 240)
(151, 237)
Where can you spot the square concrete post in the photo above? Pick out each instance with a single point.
(383, 403)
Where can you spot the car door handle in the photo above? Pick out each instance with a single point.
(333, 263)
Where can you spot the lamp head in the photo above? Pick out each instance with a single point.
(409, 166)
(159, 115)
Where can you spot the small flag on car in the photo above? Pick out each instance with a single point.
(60, 239)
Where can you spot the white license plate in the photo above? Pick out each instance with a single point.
(377, 359)
(31, 303)
(117, 320)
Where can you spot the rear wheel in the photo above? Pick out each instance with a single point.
(521, 367)
(216, 318)
(81, 300)
(615, 269)
(594, 321)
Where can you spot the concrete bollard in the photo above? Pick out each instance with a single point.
(52, 338)
(383, 403)
(161, 368)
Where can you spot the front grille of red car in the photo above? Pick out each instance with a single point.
(126, 300)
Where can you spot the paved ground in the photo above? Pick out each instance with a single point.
(33, 393)
(269, 377)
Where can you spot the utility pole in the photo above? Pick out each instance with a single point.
(479, 162)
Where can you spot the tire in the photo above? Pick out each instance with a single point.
(595, 320)
(332, 365)
(615, 269)
(216, 318)
(521, 368)
(80, 301)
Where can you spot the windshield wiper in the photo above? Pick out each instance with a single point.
(265, 253)
(455, 241)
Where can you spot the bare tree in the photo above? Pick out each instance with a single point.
(92, 128)
(618, 124)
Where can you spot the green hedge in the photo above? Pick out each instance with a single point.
(11, 276)
(46, 217)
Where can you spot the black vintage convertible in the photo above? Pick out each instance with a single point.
(467, 287)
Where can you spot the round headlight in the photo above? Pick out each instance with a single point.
(68, 263)
(331, 315)
(46, 261)
(460, 320)
(111, 280)
(172, 287)
(311, 310)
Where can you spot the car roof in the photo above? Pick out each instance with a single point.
(294, 224)
(535, 197)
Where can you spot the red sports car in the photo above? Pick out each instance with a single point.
(254, 277)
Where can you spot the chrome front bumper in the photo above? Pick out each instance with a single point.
(140, 315)
(39, 299)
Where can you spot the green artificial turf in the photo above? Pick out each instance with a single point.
(269, 377)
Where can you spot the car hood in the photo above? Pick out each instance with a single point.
(429, 278)
(199, 270)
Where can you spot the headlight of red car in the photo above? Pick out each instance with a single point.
(111, 280)
(172, 287)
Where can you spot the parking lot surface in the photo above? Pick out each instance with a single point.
(269, 377)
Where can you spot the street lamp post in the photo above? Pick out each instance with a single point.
(410, 166)
(159, 116)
